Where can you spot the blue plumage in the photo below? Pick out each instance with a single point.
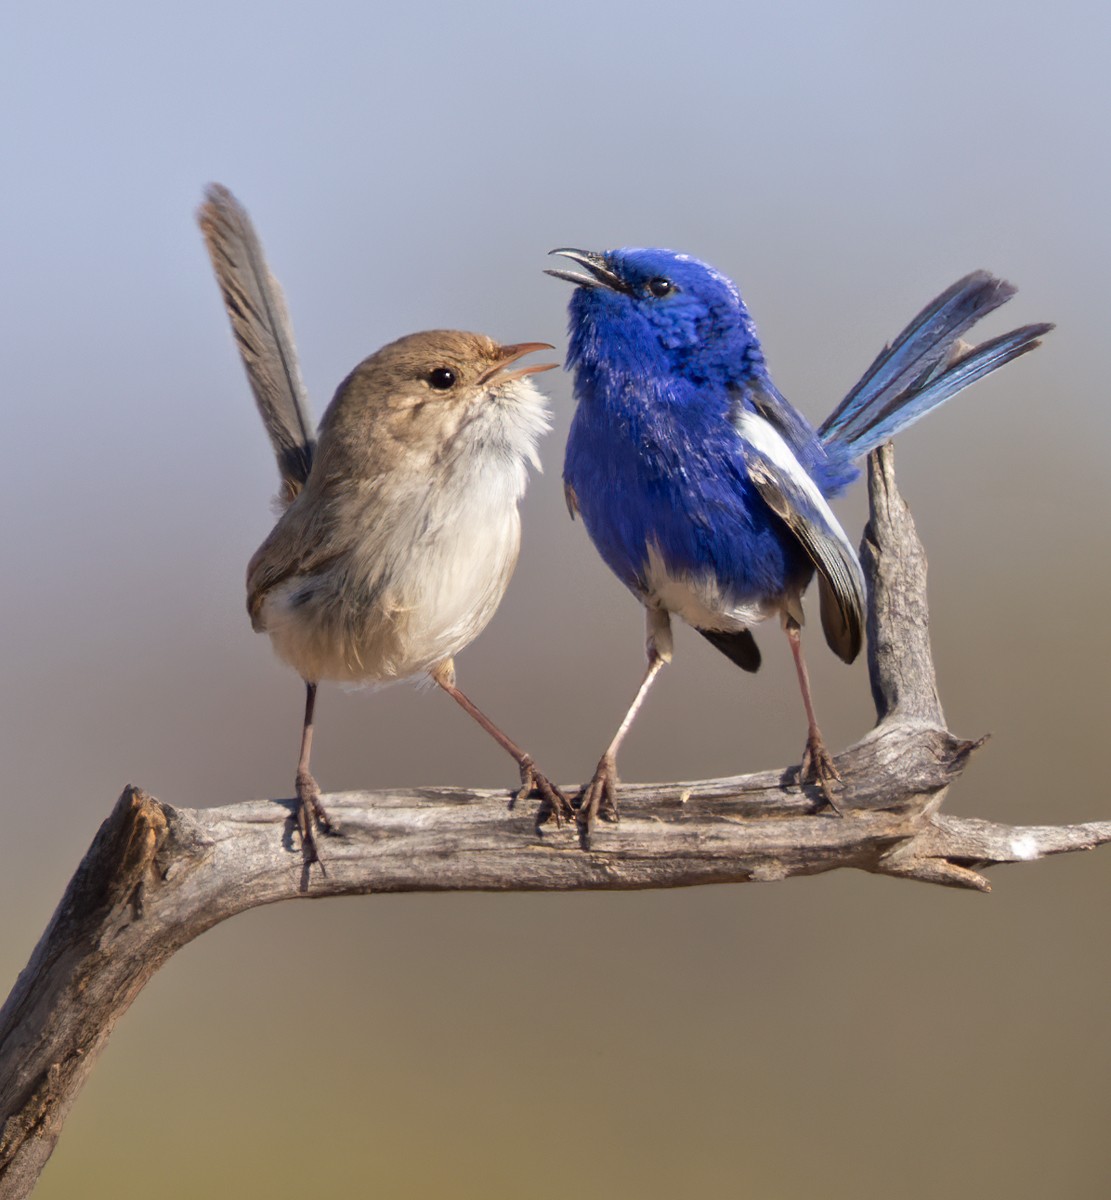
(703, 489)
(663, 467)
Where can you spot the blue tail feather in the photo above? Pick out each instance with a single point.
(885, 421)
(916, 353)
(926, 365)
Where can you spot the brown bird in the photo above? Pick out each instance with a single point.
(401, 527)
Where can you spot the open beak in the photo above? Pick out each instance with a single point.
(600, 275)
(509, 355)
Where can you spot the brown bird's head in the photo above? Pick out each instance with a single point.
(432, 394)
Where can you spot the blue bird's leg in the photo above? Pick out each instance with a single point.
(552, 801)
(310, 812)
(599, 797)
(817, 766)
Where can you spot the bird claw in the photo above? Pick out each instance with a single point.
(597, 800)
(311, 817)
(553, 803)
(817, 767)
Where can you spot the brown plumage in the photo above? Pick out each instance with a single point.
(401, 528)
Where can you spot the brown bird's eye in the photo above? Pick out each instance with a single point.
(442, 378)
(659, 286)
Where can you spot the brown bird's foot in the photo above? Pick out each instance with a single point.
(597, 800)
(553, 803)
(817, 767)
(311, 817)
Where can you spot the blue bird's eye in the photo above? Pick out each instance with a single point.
(442, 378)
(660, 287)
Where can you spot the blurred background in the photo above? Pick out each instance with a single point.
(409, 167)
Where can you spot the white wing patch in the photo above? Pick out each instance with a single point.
(793, 496)
(765, 438)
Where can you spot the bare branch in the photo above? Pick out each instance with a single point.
(900, 664)
(156, 877)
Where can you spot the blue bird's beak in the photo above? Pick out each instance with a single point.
(600, 274)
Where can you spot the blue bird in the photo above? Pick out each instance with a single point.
(704, 490)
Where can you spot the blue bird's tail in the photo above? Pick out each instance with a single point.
(925, 365)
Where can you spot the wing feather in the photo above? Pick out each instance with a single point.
(793, 496)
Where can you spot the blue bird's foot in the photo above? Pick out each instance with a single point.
(598, 799)
(817, 767)
(553, 803)
(311, 817)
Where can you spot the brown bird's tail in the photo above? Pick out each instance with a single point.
(263, 332)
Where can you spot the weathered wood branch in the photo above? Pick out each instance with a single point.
(156, 877)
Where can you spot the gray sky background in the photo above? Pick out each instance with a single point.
(409, 167)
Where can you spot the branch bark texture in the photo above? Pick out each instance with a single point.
(156, 877)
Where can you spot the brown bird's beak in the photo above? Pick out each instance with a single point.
(510, 354)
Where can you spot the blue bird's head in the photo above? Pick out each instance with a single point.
(656, 310)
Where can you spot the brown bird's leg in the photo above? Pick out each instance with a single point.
(599, 797)
(552, 801)
(817, 766)
(310, 812)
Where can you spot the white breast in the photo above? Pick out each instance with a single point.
(700, 599)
